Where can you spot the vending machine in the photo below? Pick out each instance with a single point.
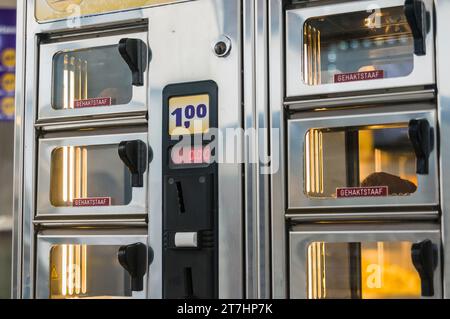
(232, 149)
(359, 90)
(124, 110)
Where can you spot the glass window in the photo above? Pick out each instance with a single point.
(367, 270)
(95, 77)
(377, 160)
(87, 271)
(357, 46)
(89, 176)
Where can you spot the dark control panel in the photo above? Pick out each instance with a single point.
(190, 188)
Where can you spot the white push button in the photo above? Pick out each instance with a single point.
(186, 240)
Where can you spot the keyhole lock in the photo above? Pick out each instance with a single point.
(223, 46)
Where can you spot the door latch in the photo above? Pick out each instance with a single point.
(134, 155)
(421, 136)
(134, 259)
(135, 54)
(419, 20)
(425, 259)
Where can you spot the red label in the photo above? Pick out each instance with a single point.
(358, 76)
(100, 101)
(191, 155)
(377, 191)
(92, 201)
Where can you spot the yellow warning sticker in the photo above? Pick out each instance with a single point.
(54, 274)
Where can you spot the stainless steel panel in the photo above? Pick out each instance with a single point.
(443, 68)
(47, 52)
(422, 74)
(427, 191)
(47, 239)
(355, 100)
(16, 265)
(277, 178)
(44, 208)
(301, 236)
(256, 151)
(185, 54)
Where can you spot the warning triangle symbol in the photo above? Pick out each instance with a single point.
(54, 273)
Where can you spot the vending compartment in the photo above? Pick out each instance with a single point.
(362, 46)
(93, 76)
(365, 261)
(92, 175)
(363, 158)
(86, 264)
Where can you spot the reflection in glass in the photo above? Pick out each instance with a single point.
(88, 172)
(357, 42)
(370, 156)
(86, 271)
(367, 270)
(91, 73)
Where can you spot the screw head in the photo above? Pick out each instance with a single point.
(222, 47)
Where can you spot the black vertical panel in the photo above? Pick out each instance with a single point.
(190, 204)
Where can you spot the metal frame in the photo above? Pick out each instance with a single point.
(16, 263)
(443, 65)
(422, 74)
(277, 144)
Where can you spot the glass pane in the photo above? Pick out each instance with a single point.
(374, 160)
(367, 270)
(89, 176)
(357, 46)
(85, 271)
(95, 77)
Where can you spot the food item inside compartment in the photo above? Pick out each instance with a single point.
(395, 184)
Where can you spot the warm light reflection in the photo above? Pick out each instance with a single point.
(68, 265)
(385, 271)
(69, 177)
(376, 155)
(74, 81)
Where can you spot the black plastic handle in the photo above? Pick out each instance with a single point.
(135, 54)
(421, 136)
(134, 155)
(419, 21)
(134, 259)
(425, 259)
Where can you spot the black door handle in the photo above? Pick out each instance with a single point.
(134, 259)
(134, 155)
(135, 54)
(421, 136)
(419, 21)
(425, 259)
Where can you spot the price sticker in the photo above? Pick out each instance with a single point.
(189, 115)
